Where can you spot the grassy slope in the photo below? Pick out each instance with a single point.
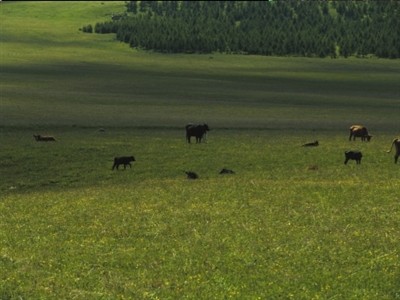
(53, 74)
(71, 228)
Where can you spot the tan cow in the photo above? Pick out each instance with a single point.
(396, 143)
(359, 131)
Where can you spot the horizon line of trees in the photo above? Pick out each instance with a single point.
(279, 28)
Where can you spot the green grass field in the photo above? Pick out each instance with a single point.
(292, 223)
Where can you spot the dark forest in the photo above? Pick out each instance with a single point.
(279, 28)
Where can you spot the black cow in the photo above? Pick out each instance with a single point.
(123, 160)
(354, 155)
(199, 131)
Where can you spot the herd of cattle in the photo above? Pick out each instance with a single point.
(199, 131)
(362, 132)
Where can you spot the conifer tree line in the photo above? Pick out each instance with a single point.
(280, 28)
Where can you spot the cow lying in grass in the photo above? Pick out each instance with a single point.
(226, 171)
(354, 155)
(44, 138)
(313, 144)
(123, 160)
(191, 175)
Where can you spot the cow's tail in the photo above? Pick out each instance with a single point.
(391, 147)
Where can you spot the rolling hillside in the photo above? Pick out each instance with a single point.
(53, 74)
(292, 222)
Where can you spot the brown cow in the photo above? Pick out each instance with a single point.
(396, 143)
(359, 131)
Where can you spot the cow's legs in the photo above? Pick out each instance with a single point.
(396, 157)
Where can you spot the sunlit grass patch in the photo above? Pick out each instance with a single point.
(241, 236)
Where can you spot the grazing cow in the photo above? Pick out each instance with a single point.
(396, 143)
(313, 144)
(199, 131)
(191, 175)
(42, 138)
(354, 155)
(123, 160)
(359, 131)
(226, 171)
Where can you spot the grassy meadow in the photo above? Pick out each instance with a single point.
(292, 223)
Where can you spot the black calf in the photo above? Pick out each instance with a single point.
(124, 160)
(354, 155)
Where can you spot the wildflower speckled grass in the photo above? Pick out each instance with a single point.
(273, 229)
(199, 241)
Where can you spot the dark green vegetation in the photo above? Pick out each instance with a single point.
(301, 28)
(293, 222)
